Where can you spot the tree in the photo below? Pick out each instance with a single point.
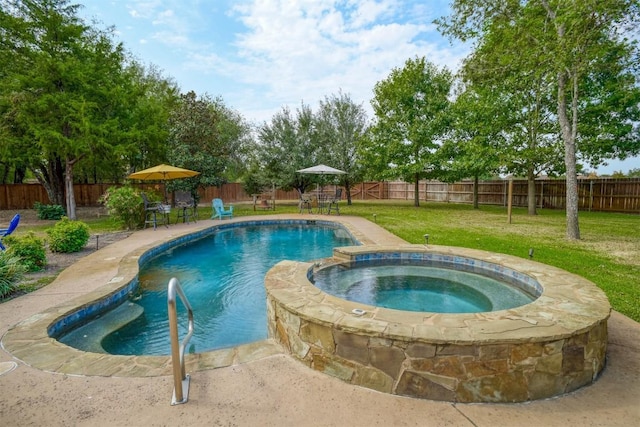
(143, 127)
(411, 115)
(583, 47)
(522, 111)
(472, 146)
(69, 96)
(207, 136)
(286, 145)
(340, 125)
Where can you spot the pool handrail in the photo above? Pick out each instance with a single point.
(180, 379)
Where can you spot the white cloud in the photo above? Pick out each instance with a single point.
(306, 50)
(260, 55)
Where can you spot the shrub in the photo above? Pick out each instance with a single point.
(68, 236)
(125, 206)
(49, 211)
(11, 272)
(30, 250)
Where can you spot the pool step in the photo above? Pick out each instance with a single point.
(89, 337)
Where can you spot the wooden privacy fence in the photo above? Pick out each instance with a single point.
(601, 194)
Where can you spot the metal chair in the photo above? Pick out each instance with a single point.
(4, 232)
(186, 205)
(305, 202)
(333, 203)
(151, 211)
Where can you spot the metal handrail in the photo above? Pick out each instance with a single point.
(180, 379)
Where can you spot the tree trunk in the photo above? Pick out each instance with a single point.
(51, 176)
(569, 131)
(531, 192)
(568, 136)
(476, 204)
(347, 189)
(19, 174)
(70, 198)
(416, 191)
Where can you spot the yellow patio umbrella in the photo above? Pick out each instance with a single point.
(163, 173)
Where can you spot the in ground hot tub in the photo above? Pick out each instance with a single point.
(552, 345)
(435, 283)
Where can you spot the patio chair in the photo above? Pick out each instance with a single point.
(306, 200)
(219, 210)
(151, 212)
(333, 203)
(186, 206)
(4, 232)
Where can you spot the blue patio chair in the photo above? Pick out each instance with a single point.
(219, 210)
(6, 231)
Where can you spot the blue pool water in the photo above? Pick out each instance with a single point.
(419, 288)
(223, 278)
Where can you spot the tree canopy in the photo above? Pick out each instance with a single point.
(411, 115)
(207, 136)
(70, 96)
(340, 126)
(584, 48)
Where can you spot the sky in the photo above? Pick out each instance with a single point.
(262, 55)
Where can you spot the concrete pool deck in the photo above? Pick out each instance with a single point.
(267, 387)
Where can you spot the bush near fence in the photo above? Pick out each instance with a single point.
(600, 194)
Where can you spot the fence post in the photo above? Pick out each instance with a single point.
(510, 197)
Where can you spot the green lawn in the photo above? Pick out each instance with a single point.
(608, 253)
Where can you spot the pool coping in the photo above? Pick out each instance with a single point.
(29, 340)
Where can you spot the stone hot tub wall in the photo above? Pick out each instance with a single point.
(551, 346)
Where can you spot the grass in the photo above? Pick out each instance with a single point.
(608, 253)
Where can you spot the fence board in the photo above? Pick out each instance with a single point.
(601, 194)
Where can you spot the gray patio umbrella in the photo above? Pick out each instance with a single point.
(322, 170)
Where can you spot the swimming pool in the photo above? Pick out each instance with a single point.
(558, 342)
(222, 275)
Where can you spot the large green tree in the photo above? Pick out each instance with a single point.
(411, 115)
(69, 96)
(472, 147)
(340, 125)
(207, 136)
(584, 47)
(520, 110)
(287, 144)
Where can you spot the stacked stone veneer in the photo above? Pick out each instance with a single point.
(549, 347)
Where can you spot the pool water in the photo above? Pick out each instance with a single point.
(223, 278)
(419, 288)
